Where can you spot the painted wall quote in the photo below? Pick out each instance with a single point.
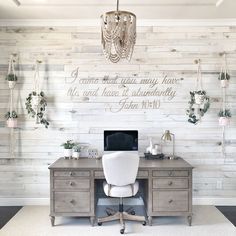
(130, 92)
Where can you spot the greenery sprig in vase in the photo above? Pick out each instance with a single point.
(37, 109)
(76, 151)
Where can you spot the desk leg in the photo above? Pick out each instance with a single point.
(52, 220)
(92, 220)
(150, 220)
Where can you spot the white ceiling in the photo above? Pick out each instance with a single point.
(89, 9)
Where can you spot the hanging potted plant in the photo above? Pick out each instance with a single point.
(68, 145)
(11, 75)
(11, 119)
(224, 117)
(224, 79)
(11, 78)
(76, 151)
(37, 111)
(35, 99)
(199, 96)
(196, 111)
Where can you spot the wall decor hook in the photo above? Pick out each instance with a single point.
(221, 54)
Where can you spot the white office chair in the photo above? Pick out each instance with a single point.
(120, 170)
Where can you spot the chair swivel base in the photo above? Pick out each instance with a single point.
(121, 216)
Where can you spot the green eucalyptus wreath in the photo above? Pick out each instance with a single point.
(195, 113)
(41, 107)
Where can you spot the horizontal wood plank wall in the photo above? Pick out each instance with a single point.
(169, 50)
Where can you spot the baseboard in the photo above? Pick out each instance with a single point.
(215, 201)
(220, 201)
(23, 201)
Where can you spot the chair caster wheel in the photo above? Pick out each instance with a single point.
(144, 223)
(122, 231)
(132, 213)
(99, 223)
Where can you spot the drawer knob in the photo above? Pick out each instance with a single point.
(72, 201)
(170, 201)
(170, 173)
(71, 183)
(71, 173)
(170, 183)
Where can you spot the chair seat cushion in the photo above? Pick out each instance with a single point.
(121, 191)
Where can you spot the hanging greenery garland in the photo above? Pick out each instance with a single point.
(36, 102)
(199, 101)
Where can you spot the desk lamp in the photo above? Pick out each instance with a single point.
(167, 136)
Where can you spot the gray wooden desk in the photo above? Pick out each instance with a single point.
(168, 190)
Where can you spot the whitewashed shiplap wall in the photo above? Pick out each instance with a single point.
(168, 50)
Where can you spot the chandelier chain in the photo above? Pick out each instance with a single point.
(117, 5)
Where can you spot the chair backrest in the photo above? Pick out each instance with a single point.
(120, 168)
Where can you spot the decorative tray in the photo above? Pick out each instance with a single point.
(149, 156)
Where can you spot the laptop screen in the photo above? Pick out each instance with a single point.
(120, 140)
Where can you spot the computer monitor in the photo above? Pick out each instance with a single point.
(120, 140)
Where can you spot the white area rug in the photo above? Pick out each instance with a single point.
(34, 221)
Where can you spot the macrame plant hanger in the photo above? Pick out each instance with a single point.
(223, 70)
(37, 87)
(199, 83)
(199, 76)
(11, 69)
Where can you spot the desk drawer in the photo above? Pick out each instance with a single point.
(71, 202)
(72, 173)
(170, 183)
(170, 201)
(99, 173)
(78, 183)
(169, 173)
(141, 173)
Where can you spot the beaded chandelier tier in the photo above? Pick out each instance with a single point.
(118, 34)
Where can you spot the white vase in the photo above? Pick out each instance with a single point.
(224, 83)
(154, 151)
(224, 121)
(11, 84)
(199, 99)
(149, 149)
(75, 155)
(12, 122)
(67, 152)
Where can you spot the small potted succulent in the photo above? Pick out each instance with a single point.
(199, 96)
(68, 145)
(224, 79)
(224, 117)
(76, 151)
(11, 119)
(11, 78)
